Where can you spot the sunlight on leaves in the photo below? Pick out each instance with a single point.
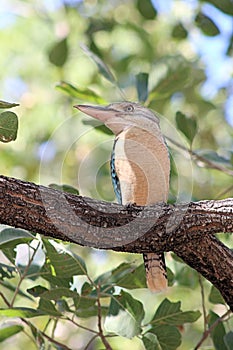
(19, 312)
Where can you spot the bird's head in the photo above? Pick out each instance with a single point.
(120, 116)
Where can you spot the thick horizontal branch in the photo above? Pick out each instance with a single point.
(186, 229)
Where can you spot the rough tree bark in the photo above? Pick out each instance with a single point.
(186, 229)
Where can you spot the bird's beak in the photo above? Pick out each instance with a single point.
(104, 114)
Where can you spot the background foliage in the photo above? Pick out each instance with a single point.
(175, 58)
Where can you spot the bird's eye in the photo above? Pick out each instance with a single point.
(129, 108)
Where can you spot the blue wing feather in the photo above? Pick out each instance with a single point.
(115, 179)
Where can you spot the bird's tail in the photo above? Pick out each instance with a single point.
(156, 276)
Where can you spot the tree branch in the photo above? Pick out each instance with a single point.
(186, 229)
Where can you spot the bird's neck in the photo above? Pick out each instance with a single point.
(142, 166)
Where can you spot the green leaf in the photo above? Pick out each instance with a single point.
(215, 296)
(103, 68)
(4, 104)
(8, 126)
(179, 32)
(85, 305)
(131, 278)
(81, 94)
(188, 126)
(58, 54)
(206, 24)
(169, 337)
(228, 340)
(125, 275)
(142, 86)
(218, 333)
(170, 277)
(20, 312)
(8, 235)
(64, 264)
(146, 9)
(8, 331)
(91, 311)
(223, 5)
(47, 307)
(56, 293)
(125, 316)
(82, 302)
(48, 273)
(171, 314)
(150, 342)
(64, 188)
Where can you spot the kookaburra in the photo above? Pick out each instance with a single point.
(140, 166)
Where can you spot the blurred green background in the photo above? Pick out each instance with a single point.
(185, 50)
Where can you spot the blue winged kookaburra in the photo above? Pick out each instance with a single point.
(140, 166)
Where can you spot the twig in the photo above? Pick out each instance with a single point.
(209, 330)
(224, 192)
(203, 302)
(24, 273)
(196, 156)
(61, 345)
(90, 341)
(80, 326)
(99, 315)
(4, 299)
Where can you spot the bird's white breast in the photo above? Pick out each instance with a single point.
(142, 166)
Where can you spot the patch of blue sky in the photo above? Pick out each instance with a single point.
(14, 88)
(212, 50)
(219, 66)
(53, 5)
(7, 17)
(162, 6)
(46, 151)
